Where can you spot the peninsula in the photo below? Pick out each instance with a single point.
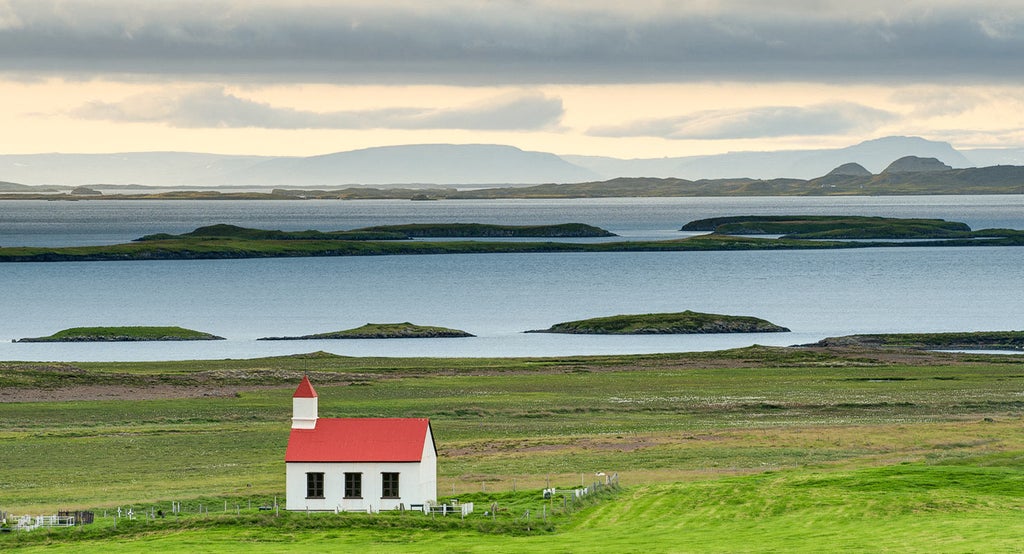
(687, 322)
(403, 330)
(123, 334)
(979, 340)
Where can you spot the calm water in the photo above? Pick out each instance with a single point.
(816, 294)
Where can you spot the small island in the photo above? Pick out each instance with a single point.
(979, 340)
(404, 330)
(832, 227)
(223, 231)
(687, 322)
(123, 334)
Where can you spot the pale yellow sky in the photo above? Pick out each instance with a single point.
(637, 79)
(47, 116)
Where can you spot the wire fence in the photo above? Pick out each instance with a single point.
(549, 502)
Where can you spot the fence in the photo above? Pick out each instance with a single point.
(28, 523)
(571, 498)
(456, 507)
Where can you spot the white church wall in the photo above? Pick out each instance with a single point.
(417, 485)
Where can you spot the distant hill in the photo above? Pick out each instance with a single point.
(17, 187)
(851, 169)
(914, 164)
(445, 164)
(147, 168)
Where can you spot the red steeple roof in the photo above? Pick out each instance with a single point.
(360, 440)
(305, 389)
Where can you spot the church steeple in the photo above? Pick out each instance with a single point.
(304, 406)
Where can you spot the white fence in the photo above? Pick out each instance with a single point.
(28, 523)
(463, 508)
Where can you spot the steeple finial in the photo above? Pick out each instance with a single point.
(305, 389)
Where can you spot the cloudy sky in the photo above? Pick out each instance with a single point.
(645, 78)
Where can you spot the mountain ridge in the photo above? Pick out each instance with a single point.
(426, 165)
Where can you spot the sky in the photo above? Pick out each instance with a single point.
(638, 79)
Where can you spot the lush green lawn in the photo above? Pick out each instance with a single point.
(972, 507)
(747, 450)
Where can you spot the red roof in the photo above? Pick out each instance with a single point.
(359, 440)
(305, 389)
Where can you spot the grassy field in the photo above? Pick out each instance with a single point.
(757, 449)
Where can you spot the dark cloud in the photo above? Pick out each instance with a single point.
(214, 107)
(515, 41)
(761, 122)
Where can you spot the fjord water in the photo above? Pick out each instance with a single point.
(496, 296)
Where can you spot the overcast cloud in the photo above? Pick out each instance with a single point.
(761, 122)
(515, 41)
(214, 107)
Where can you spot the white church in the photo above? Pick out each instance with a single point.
(357, 464)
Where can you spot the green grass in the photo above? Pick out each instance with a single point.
(107, 334)
(901, 508)
(746, 450)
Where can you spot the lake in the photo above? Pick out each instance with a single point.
(495, 296)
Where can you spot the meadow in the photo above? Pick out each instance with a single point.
(756, 449)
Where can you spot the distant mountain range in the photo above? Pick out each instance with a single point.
(471, 165)
(874, 155)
